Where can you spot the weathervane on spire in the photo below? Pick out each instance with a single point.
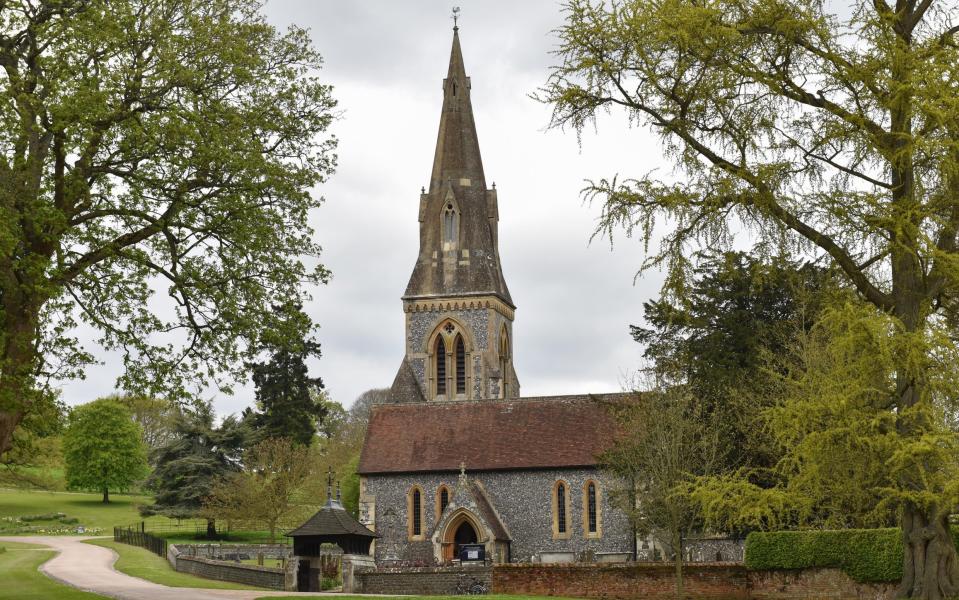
(456, 16)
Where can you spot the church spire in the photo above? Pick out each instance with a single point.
(457, 155)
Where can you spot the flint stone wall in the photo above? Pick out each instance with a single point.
(523, 500)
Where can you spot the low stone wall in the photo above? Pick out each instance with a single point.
(265, 577)
(621, 581)
(440, 581)
(701, 580)
(236, 551)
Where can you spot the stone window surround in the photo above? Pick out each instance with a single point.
(557, 535)
(599, 510)
(449, 340)
(409, 515)
(439, 496)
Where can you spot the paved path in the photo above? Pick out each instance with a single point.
(90, 568)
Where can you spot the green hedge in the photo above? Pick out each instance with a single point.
(866, 555)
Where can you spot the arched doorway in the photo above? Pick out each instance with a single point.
(465, 534)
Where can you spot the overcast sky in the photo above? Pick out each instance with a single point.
(386, 61)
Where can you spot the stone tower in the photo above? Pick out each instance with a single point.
(459, 314)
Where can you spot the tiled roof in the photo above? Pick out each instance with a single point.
(332, 520)
(524, 433)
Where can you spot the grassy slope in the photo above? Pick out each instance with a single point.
(87, 507)
(138, 562)
(22, 581)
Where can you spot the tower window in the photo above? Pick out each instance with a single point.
(440, 359)
(449, 223)
(460, 366)
(504, 361)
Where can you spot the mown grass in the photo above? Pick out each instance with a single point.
(20, 578)
(139, 562)
(88, 509)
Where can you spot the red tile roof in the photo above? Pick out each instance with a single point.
(525, 433)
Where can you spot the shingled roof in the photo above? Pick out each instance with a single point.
(332, 520)
(523, 433)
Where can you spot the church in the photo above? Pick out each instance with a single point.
(457, 457)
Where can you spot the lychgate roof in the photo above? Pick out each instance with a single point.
(332, 520)
(525, 433)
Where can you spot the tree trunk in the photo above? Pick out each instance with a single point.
(678, 561)
(211, 529)
(930, 569)
(106, 496)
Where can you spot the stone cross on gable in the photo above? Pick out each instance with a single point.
(462, 479)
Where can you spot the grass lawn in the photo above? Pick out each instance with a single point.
(22, 580)
(87, 508)
(139, 562)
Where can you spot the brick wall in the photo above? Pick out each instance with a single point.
(814, 583)
(621, 581)
(442, 581)
(265, 577)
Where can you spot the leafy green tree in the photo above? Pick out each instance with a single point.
(835, 135)
(290, 403)
(103, 448)
(150, 142)
(188, 464)
(737, 312)
(667, 440)
(837, 450)
(269, 492)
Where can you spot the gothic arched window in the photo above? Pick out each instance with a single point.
(460, 365)
(561, 508)
(440, 360)
(592, 517)
(450, 224)
(415, 513)
(504, 361)
(442, 500)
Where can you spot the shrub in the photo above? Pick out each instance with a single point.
(69, 520)
(866, 555)
(43, 517)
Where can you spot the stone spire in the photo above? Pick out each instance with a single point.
(458, 216)
(457, 147)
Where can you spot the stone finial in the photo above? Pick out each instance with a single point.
(462, 479)
(337, 491)
(456, 17)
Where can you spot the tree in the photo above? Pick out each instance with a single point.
(667, 440)
(290, 403)
(836, 448)
(151, 143)
(738, 311)
(268, 492)
(832, 135)
(103, 448)
(188, 464)
(155, 416)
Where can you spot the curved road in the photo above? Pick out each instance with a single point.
(90, 568)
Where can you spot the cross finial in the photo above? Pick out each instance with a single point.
(456, 17)
(329, 483)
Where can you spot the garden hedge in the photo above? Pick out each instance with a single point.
(866, 555)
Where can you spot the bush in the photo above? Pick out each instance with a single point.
(866, 555)
(69, 520)
(43, 517)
